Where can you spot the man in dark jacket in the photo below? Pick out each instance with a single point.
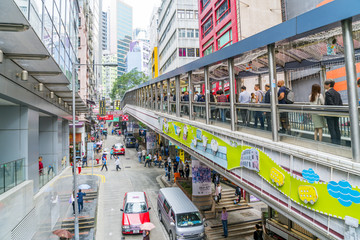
(332, 97)
(267, 100)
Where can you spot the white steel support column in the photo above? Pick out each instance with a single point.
(177, 95)
(232, 93)
(351, 88)
(273, 98)
(168, 95)
(191, 95)
(151, 96)
(161, 96)
(207, 94)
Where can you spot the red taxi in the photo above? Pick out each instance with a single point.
(118, 149)
(135, 212)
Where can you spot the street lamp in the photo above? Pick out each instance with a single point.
(76, 220)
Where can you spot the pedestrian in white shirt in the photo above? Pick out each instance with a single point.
(117, 163)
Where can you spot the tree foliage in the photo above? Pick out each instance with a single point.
(126, 82)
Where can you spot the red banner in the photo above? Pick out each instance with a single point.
(125, 117)
(106, 117)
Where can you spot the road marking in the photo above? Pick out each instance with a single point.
(103, 179)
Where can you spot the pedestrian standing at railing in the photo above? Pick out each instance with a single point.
(284, 116)
(244, 97)
(220, 99)
(258, 115)
(316, 98)
(267, 100)
(41, 166)
(332, 97)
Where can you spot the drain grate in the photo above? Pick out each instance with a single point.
(127, 167)
(127, 158)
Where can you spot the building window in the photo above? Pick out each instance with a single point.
(209, 50)
(190, 33)
(225, 40)
(189, 14)
(204, 4)
(222, 11)
(196, 33)
(182, 32)
(79, 42)
(196, 14)
(190, 52)
(181, 14)
(207, 27)
(182, 52)
(197, 52)
(79, 22)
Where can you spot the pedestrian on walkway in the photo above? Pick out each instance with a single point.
(150, 159)
(80, 198)
(218, 192)
(181, 169)
(84, 161)
(143, 153)
(187, 171)
(104, 161)
(258, 234)
(139, 155)
(166, 164)
(176, 164)
(316, 98)
(117, 163)
(147, 161)
(160, 160)
(169, 159)
(238, 193)
(169, 171)
(146, 235)
(72, 201)
(224, 220)
(332, 97)
(155, 159)
(78, 164)
(41, 166)
(137, 145)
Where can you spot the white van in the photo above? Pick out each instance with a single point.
(179, 215)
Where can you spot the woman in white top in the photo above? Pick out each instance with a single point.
(317, 99)
(218, 192)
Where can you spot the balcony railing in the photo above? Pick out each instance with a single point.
(11, 174)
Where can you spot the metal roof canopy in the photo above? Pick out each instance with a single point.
(28, 43)
(322, 19)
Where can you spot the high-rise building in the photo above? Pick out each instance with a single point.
(104, 31)
(178, 34)
(138, 56)
(153, 37)
(224, 22)
(109, 74)
(120, 32)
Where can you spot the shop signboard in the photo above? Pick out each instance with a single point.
(106, 117)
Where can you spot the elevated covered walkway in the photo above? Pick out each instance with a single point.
(313, 183)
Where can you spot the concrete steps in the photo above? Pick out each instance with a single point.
(227, 200)
(85, 224)
(238, 230)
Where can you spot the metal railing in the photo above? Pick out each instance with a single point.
(11, 174)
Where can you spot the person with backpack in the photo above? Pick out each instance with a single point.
(258, 115)
(267, 100)
(258, 234)
(282, 99)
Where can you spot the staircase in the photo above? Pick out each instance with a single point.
(227, 200)
(241, 230)
(85, 224)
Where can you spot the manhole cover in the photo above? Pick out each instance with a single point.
(127, 167)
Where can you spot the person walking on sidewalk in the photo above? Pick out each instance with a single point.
(143, 153)
(78, 164)
(84, 159)
(104, 161)
(181, 169)
(147, 161)
(80, 199)
(137, 145)
(160, 160)
(169, 171)
(218, 192)
(139, 155)
(187, 171)
(117, 163)
(166, 164)
(224, 221)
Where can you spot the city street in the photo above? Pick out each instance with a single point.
(132, 177)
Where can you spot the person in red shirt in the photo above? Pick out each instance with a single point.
(220, 97)
(41, 166)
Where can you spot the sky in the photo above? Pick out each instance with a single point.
(142, 10)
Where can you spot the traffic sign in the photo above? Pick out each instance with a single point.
(125, 118)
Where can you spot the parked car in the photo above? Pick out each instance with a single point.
(118, 149)
(179, 215)
(130, 142)
(135, 212)
(128, 135)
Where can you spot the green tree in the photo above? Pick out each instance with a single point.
(126, 82)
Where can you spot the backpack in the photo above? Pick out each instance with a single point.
(289, 96)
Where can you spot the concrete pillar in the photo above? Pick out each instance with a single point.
(273, 85)
(191, 95)
(156, 97)
(232, 93)
(207, 94)
(161, 97)
(168, 95)
(48, 139)
(177, 95)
